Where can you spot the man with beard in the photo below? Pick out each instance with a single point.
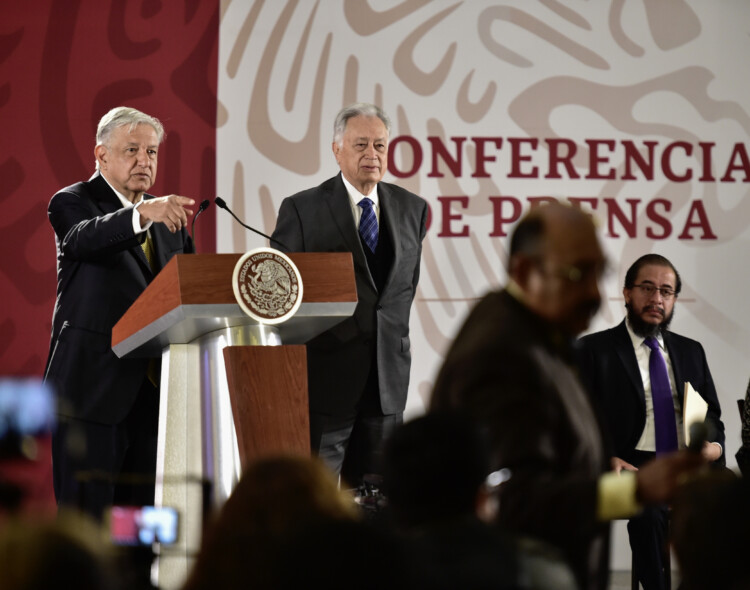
(637, 371)
(512, 368)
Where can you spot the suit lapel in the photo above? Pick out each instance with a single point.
(105, 197)
(674, 358)
(624, 348)
(109, 203)
(390, 215)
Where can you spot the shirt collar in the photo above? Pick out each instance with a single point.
(357, 196)
(123, 200)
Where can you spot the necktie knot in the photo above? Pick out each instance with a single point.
(652, 343)
(368, 224)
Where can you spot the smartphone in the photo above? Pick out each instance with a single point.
(143, 525)
(27, 410)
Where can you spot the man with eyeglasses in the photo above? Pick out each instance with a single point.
(637, 371)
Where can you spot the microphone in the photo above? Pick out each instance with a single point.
(221, 203)
(201, 208)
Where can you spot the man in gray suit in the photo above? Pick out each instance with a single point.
(358, 371)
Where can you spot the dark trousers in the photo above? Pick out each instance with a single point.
(96, 465)
(351, 444)
(648, 533)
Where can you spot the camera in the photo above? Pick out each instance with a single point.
(143, 525)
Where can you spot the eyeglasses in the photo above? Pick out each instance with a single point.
(649, 290)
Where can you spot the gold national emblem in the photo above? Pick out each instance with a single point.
(267, 285)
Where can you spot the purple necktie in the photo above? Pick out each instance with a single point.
(661, 393)
(368, 224)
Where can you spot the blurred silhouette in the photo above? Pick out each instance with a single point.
(276, 498)
(68, 552)
(342, 554)
(710, 532)
(435, 471)
(743, 454)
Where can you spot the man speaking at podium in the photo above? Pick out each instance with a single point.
(112, 239)
(358, 371)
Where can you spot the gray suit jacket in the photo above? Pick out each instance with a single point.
(339, 360)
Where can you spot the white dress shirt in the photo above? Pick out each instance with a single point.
(647, 441)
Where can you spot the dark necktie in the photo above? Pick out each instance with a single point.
(661, 393)
(368, 224)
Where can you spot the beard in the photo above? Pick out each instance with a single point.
(644, 329)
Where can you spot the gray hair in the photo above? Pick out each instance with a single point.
(355, 110)
(120, 116)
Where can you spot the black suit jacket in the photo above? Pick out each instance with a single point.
(339, 360)
(514, 373)
(101, 270)
(610, 370)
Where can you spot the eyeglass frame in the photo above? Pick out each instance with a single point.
(650, 289)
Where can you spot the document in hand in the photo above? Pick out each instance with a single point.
(694, 410)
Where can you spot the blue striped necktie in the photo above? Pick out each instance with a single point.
(368, 224)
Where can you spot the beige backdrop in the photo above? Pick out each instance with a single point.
(637, 111)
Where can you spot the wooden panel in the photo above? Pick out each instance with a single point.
(326, 276)
(202, 279)
(268, 391)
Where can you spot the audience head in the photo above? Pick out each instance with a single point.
(68, 552)
(275, 498)
(343, 554)
(434, 468)
(710, 531)
(556, 260)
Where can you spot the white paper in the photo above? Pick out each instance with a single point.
(694, 409)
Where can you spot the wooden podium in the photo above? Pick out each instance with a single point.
(230, 390)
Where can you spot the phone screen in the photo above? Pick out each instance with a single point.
(143, 525)
(27, 410)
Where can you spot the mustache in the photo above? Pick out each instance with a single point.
(656, 308)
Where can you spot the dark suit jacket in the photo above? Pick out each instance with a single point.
(610, 371)
(339, 360)
(101, 270)
(512, 371)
